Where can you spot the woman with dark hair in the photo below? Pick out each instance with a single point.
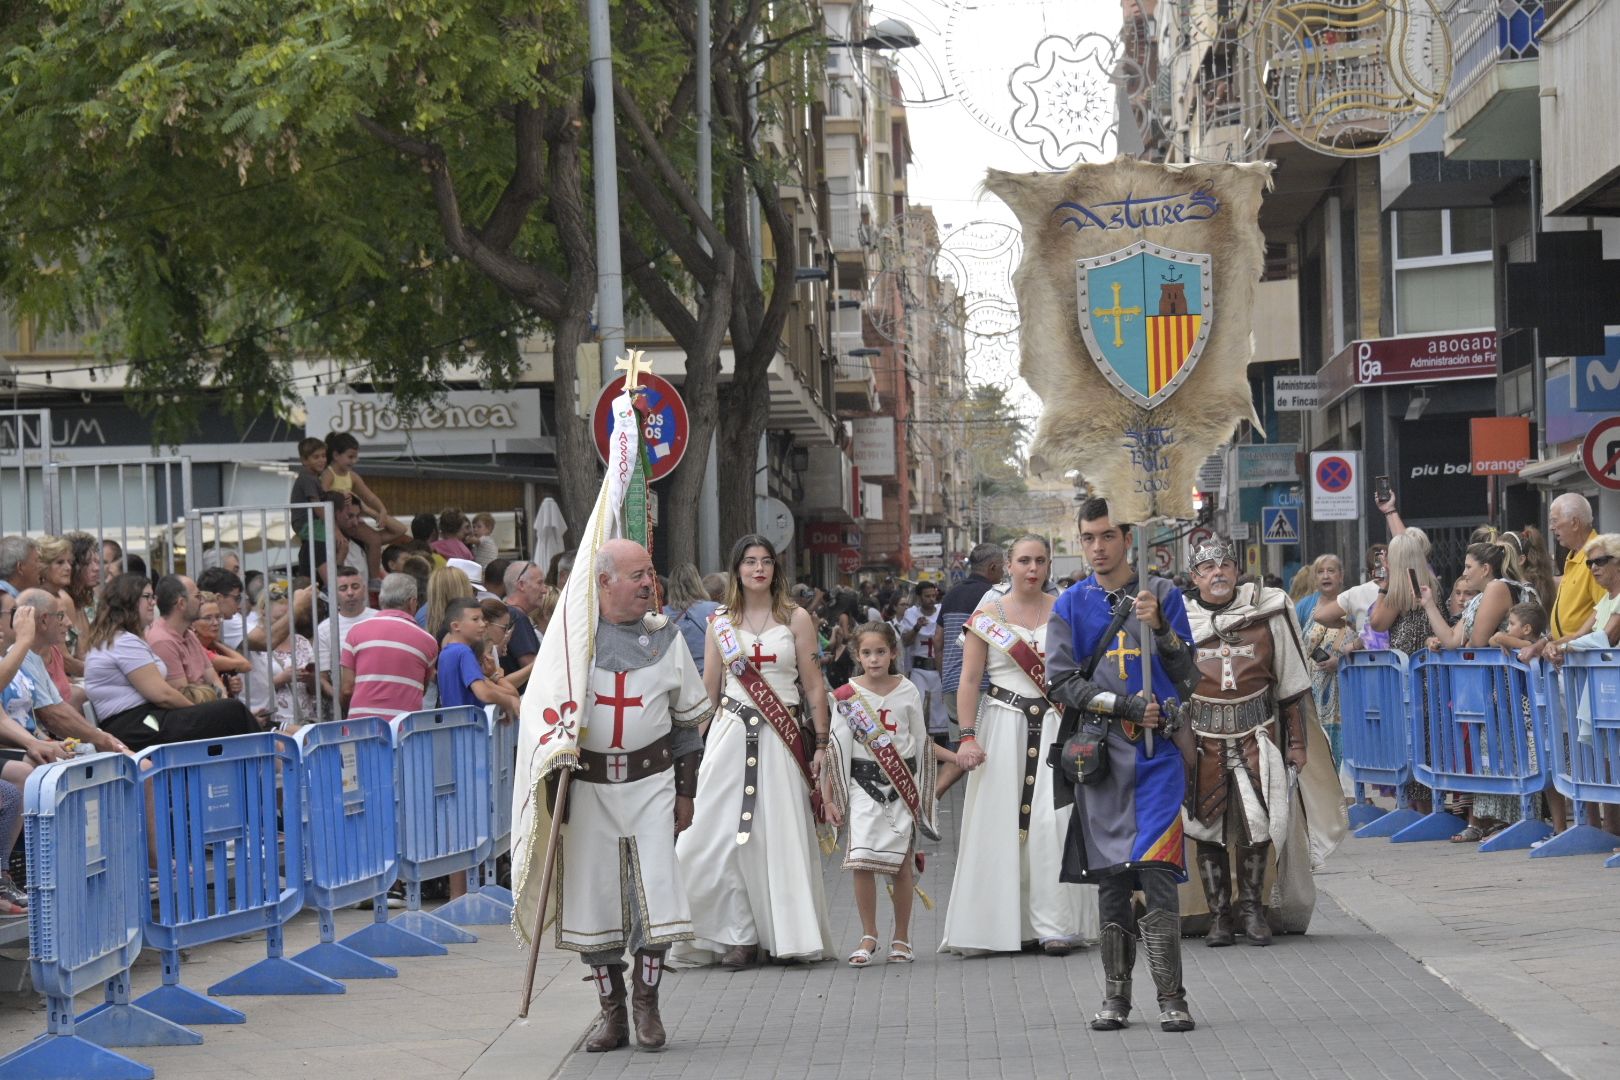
(454, 528)
(751, 860)
(1493, 569)
(128, 686)
(86, 580)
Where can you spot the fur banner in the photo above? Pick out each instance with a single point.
(1135, 297)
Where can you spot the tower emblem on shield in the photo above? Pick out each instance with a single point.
(1145, 312)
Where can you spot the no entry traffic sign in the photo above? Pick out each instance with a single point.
(1600, 453)
(1335, 495)
(664, 426)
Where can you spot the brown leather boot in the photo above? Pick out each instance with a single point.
(740, 957)
(1251, 883)
(1216, 875)
(644, 1000)
(613, 1029)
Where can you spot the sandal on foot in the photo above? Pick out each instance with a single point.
(862, 956)
(1469, 835)
(900, 952)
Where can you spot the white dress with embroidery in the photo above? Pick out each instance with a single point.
(882, 834)
(1006, 889)
(768, 891)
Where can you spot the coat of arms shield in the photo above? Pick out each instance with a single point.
(1145, 314)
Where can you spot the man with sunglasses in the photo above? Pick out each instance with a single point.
(525, 588)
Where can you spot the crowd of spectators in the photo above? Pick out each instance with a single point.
(98, 654)
(1507, 594)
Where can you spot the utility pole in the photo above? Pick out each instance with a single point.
(605, 169)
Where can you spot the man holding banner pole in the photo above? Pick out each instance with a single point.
(611, 712)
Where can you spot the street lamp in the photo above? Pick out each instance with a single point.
(887, 34)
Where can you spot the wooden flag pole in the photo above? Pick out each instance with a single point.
(1144, 635)
(552, 843)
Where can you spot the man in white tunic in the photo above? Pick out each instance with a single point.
(639, 749)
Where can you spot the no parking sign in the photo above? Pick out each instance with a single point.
(1335, 485)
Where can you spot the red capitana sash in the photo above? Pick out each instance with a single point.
(852, 705)
(764, 698)
(999, 636)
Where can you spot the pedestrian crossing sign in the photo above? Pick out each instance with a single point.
(1279, 525)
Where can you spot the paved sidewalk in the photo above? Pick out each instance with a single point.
(1436, 953)
(1340, 1002)
(437, 1019)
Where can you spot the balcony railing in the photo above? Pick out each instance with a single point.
(1505, 32)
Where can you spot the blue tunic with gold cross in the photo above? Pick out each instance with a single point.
(1132, 819)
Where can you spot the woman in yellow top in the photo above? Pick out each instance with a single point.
(342, 452)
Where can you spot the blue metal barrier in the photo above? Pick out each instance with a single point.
(352, 845)
(86, 902)
(221, 868)
(1585, 740)
(1376, 728)
(441, 763)
(1480, 726)
(485, 902)
(503, 737)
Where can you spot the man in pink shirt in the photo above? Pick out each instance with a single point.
(388, 660)
(174, 643)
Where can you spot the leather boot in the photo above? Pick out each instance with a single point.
(1251, 881)
(1118, 947)
(644, 1000)
(1215, 873)
(613, 1029)
(1161, 943)
(740, 957)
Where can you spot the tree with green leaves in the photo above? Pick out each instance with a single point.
(399, 186)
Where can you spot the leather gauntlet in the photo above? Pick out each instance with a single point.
(686, 775)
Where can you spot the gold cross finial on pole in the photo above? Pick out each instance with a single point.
(634, 367)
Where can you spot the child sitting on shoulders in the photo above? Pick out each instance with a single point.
(880, 719)
(1526, 626)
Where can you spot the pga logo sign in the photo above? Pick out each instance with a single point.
(1367, 368)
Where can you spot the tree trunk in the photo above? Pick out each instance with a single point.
(746, 407)
(577, 471)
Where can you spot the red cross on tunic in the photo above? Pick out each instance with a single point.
(759, 658)
(619, 702)
(883, 718)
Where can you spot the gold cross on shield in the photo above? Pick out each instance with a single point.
(1118, 314)
(1120, 652)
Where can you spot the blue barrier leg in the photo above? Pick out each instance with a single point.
(182, 1004)
(1611, 862)
(1389, 824)
(115, 1022)
(69, 1057)
(419, 922)
(475, 908)
(276, 974)
(1436, 826)
(1577, 840)
(1518, 836)
(498, 893)
(383, 938)
(1362, 813)
(340, 961)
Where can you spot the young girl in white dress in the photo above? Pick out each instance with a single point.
(882, 830)
(1006, 894)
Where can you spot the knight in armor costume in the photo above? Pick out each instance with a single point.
(1125, 833)
(639, 750)
(1255, 730)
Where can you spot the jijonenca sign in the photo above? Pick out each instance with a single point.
(464, 414)
(1134, 213)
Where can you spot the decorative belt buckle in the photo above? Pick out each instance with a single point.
(618, 768)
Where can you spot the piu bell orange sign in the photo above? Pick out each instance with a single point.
(1499, 445)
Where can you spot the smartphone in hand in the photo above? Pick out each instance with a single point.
(1417, 590)
(1382, 492)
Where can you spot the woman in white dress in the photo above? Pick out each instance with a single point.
(1006, 894)
(750, 861)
